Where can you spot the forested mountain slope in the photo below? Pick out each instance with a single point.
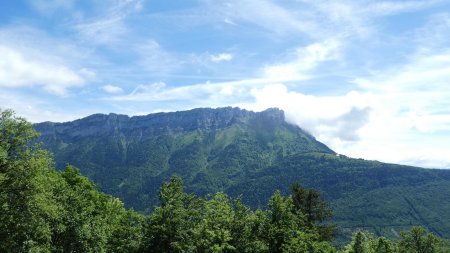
(243, 152)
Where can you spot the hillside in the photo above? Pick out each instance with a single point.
(243, 152)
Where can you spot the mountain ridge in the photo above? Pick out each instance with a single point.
(163, 121)
(250, 154)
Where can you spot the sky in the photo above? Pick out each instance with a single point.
(370, 79)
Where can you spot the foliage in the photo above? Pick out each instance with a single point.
(186, 223)
(169, 227)
(417, 240)
(220, 224)
(42, 210)
(309, 202)
(27, 206)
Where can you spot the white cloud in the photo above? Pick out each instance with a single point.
(112, 89)
(221, 57)
(265, 14)
(417, 92)
(20, 70)
(364, 124)
(229, 21)
(326, 117)
(305, 59)
(109, 26)
(425, 72)
(399, 127)
(102, 31)
(38, 110)
(205, 91)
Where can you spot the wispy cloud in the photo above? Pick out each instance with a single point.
(110, 26)
(435, 33)
(262, 13)
(305, 60)
(233, 90)
(47, 7)
(221, 57)
(112, 89)
(358, 18)
(382, 8)
(424, 73)
(154, 59)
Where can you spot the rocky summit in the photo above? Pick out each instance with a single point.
(144, 127)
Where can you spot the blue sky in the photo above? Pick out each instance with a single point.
(371, 79)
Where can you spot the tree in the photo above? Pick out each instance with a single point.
(287, 230)
(126, 235)
(91, 218)
(308, 202)
(417, 240)
(385, 246)
(42, 210)
(170, 227)
(27, 205)
(248, 229)
(213, 232)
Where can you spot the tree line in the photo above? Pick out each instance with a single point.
(45, 210)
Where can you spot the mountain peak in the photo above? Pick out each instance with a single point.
(274, 113)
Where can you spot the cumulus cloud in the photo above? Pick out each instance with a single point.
(19, 70)
(346, 126)
(330, 118)
(364, 124)
(417, 91)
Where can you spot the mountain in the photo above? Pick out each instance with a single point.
(250, 154)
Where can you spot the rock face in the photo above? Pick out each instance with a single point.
(144, 127)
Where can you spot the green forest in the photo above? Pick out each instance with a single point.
(46, 210)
